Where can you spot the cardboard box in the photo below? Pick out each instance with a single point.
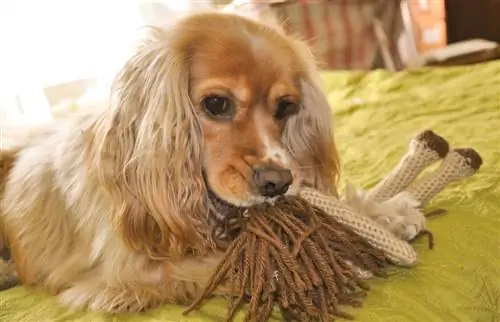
(429, 24)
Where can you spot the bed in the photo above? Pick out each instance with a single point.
(375, 115)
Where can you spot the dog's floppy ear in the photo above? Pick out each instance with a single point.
(149, 151)
(7, 160)
(309, 135)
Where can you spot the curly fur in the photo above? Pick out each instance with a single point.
(108, 209)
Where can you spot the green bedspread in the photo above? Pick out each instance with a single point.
(376, 114)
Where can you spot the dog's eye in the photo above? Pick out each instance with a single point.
(285, 108)
(218, 106)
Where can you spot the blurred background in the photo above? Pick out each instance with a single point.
(59, 56)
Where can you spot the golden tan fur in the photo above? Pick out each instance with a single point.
(7, 158)
(109, 209)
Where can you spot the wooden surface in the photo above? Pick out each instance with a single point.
(468, 19)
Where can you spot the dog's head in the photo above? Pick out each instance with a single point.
(216, 102)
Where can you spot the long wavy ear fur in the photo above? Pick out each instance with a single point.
(309, 136)
(7, 160)
(149, 150)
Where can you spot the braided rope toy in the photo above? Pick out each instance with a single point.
(310, 254)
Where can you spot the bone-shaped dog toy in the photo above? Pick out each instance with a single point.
(390, 214)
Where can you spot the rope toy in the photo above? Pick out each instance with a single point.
(309, 254)
(304, 262)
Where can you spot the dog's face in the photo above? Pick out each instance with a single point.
(216, 104)
(245, 87)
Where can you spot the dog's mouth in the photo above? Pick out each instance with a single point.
(220, 207)
(223, 207)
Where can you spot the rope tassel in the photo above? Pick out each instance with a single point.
(295, 254)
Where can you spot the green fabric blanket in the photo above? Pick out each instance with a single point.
(376, 114)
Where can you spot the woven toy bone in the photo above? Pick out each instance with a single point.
(396, 210)
(307, 255)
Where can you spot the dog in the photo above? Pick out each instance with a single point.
(109, 210)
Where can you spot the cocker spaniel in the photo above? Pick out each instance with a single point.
(110, 210)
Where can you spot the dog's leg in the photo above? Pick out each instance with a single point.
(198, 271)
(153, 284)
(425, 149)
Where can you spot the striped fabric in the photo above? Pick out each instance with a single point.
(340, 31)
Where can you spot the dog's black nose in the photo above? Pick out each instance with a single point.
(272, 182)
